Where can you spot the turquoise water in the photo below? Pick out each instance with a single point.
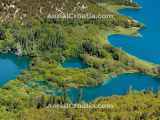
(146, 47)
(117, 86)
(74, 63)
(11, 66)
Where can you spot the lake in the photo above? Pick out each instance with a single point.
(146, 47)
(74, 63)
(11, 66)
(117, 86)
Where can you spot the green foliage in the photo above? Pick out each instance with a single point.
(49, 43)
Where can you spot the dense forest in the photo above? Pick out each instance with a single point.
(25, 30)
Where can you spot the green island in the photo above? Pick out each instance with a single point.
(50, 42)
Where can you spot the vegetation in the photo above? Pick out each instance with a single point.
(50, 44)
(28, 104)
(132, 106)
(26, 30)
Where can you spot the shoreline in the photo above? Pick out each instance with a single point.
(132, 32)
(139, 64)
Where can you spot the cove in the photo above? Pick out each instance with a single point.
(11, 66)
(116, 86)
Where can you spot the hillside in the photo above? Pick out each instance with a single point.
(22, 9)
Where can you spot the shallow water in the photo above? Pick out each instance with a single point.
(146, 47)
(74, 63)
(11, 66)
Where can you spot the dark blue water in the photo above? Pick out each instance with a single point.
(146, 47)
(11, 66)
(74, 63)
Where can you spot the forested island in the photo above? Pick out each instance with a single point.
(26, 30)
